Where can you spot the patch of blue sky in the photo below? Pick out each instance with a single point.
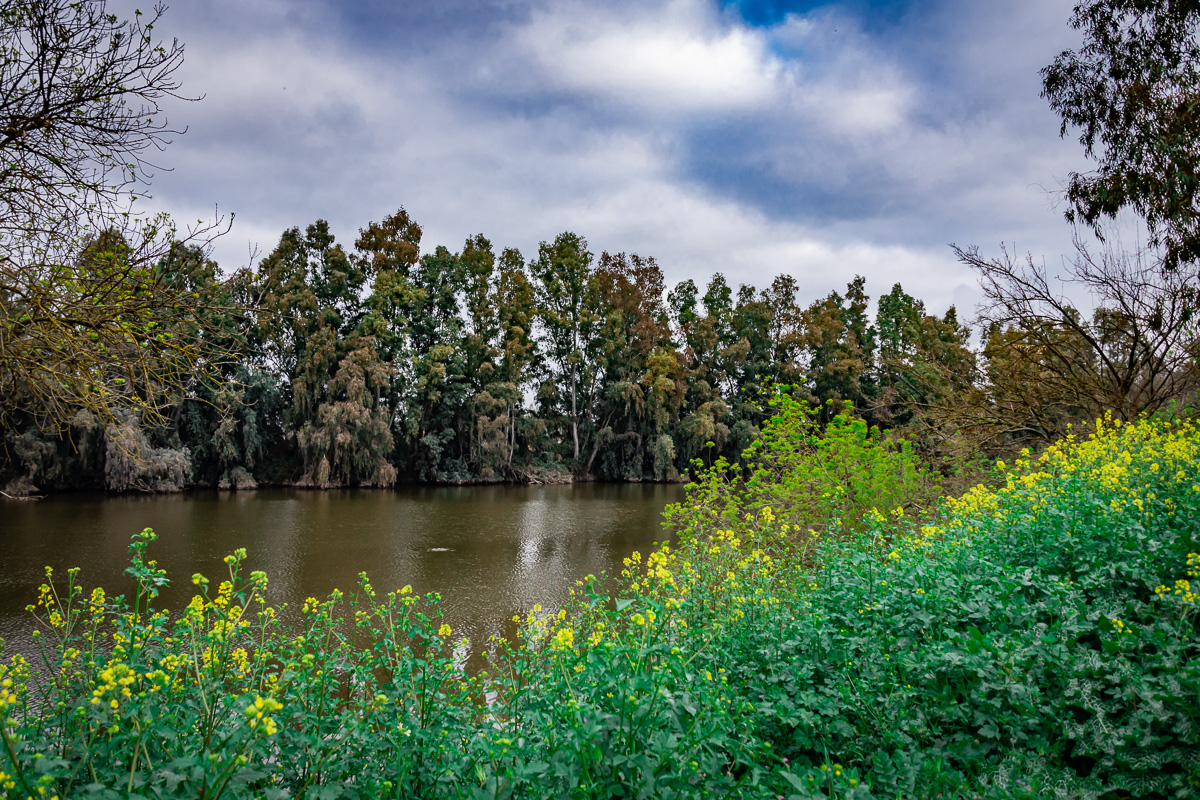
(769, 13)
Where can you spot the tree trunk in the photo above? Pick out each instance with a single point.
(574, 421)
(512, 433)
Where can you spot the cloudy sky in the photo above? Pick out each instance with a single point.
(819, 139)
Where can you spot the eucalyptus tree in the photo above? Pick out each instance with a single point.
(516, 365)
(689, 341)
(390, 250)
(785, 330)
(925, 369)
(229, 423)
(704, 416)
(717, 338)
(839, 346)
(481, 333)
(1131, 92)
(310, 329)
(569, 317)
(753, 321)
(642, 380)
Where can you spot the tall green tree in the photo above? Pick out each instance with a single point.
(718, 337)
(517, 361)
(643, 385)
(311, 295)
(925, 367)
(349, 440)
(704, 330)
(232, 425)
(390, 250)
(438, 367)
(569, 315)
(486, 414)
(1133, 92)
(753, 320)
(785, 330)
(840, 347)
(482, 332)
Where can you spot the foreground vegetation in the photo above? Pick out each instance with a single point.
(1039, 639)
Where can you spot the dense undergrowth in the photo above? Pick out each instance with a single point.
(1035, 640)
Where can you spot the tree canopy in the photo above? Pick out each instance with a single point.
(1133, 92)
(127, 361)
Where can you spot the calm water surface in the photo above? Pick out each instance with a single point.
(491, 551)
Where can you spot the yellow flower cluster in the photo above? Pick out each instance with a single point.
(1182, 591)
(118, 681)
(8, 695)
(96, 604)
(564, 639)
(1114, 459)
(115, 681)
(258, 713)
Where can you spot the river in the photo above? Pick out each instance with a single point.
(490, 551)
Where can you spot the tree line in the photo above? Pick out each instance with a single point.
(327, 366)
(128, 361)
(334, 366)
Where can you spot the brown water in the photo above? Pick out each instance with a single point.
(491, 551)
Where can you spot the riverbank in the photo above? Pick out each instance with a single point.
(524, 477)
(1035, 640)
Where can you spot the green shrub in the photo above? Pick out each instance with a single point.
(836, 477)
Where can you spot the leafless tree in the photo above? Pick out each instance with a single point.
(80, 110)
(1049, 361)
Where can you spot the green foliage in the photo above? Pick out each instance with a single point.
(1041, 640)
(569, 316)
(1130, 91)
(840, 347)
(834, 477)
(924, 363)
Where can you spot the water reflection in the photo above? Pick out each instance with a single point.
(491, 552)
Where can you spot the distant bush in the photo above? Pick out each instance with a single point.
(837, 477)
(1041, 640)
(131, 463)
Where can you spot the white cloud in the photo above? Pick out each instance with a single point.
(678, 57)
(841, 81)
(694, 235)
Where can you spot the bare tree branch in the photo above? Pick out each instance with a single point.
(1047, 363)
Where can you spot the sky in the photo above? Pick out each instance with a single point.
(822, 140)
